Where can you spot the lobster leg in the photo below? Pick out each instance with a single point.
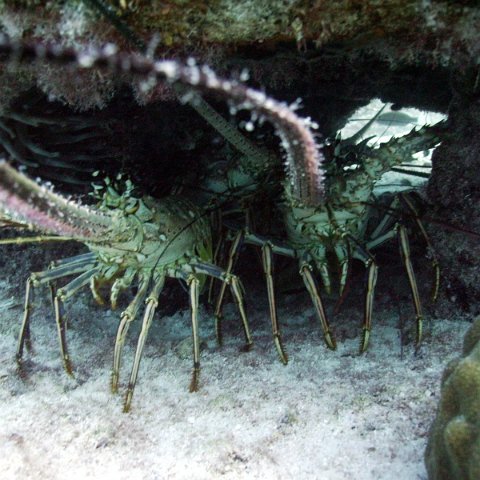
(77, 259)
(104, 276)
(343, 258)
(76, 265)
(69, 266)
(127, 316)
(269, 247)
(235, 287)
(218, 257)
(406, 200)
(190, 276)
(24, 336)
(232, 258)
(322, 267)
(405, 253)
(380, 237)
(121, 284)
(312, 288)
(267, 261)
(237, 291)
(193, 283)
(219, 240)
(152, 303)
(372, 269)
(60, 319)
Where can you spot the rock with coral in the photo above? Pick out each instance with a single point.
(413, 32)
(453, 450)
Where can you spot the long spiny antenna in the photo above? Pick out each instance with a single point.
(304, 159)
(45, 211)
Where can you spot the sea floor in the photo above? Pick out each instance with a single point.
(333, 415)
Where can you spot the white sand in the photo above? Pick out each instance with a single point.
(329, 415)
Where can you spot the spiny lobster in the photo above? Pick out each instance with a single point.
(141, 238)
(129, 239)
(324, 235)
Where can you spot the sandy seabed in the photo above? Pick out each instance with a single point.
(330, 415)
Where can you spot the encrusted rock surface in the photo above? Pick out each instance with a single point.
(415, 32)
(454, 190)
(453, 451)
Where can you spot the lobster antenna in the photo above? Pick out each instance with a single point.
(41, 209)
(304, 159)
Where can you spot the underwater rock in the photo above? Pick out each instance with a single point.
(441, 33)
(454, 192)
(453, 450)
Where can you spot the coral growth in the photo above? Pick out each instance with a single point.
(453, 451)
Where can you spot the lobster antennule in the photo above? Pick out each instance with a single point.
(44, 210)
